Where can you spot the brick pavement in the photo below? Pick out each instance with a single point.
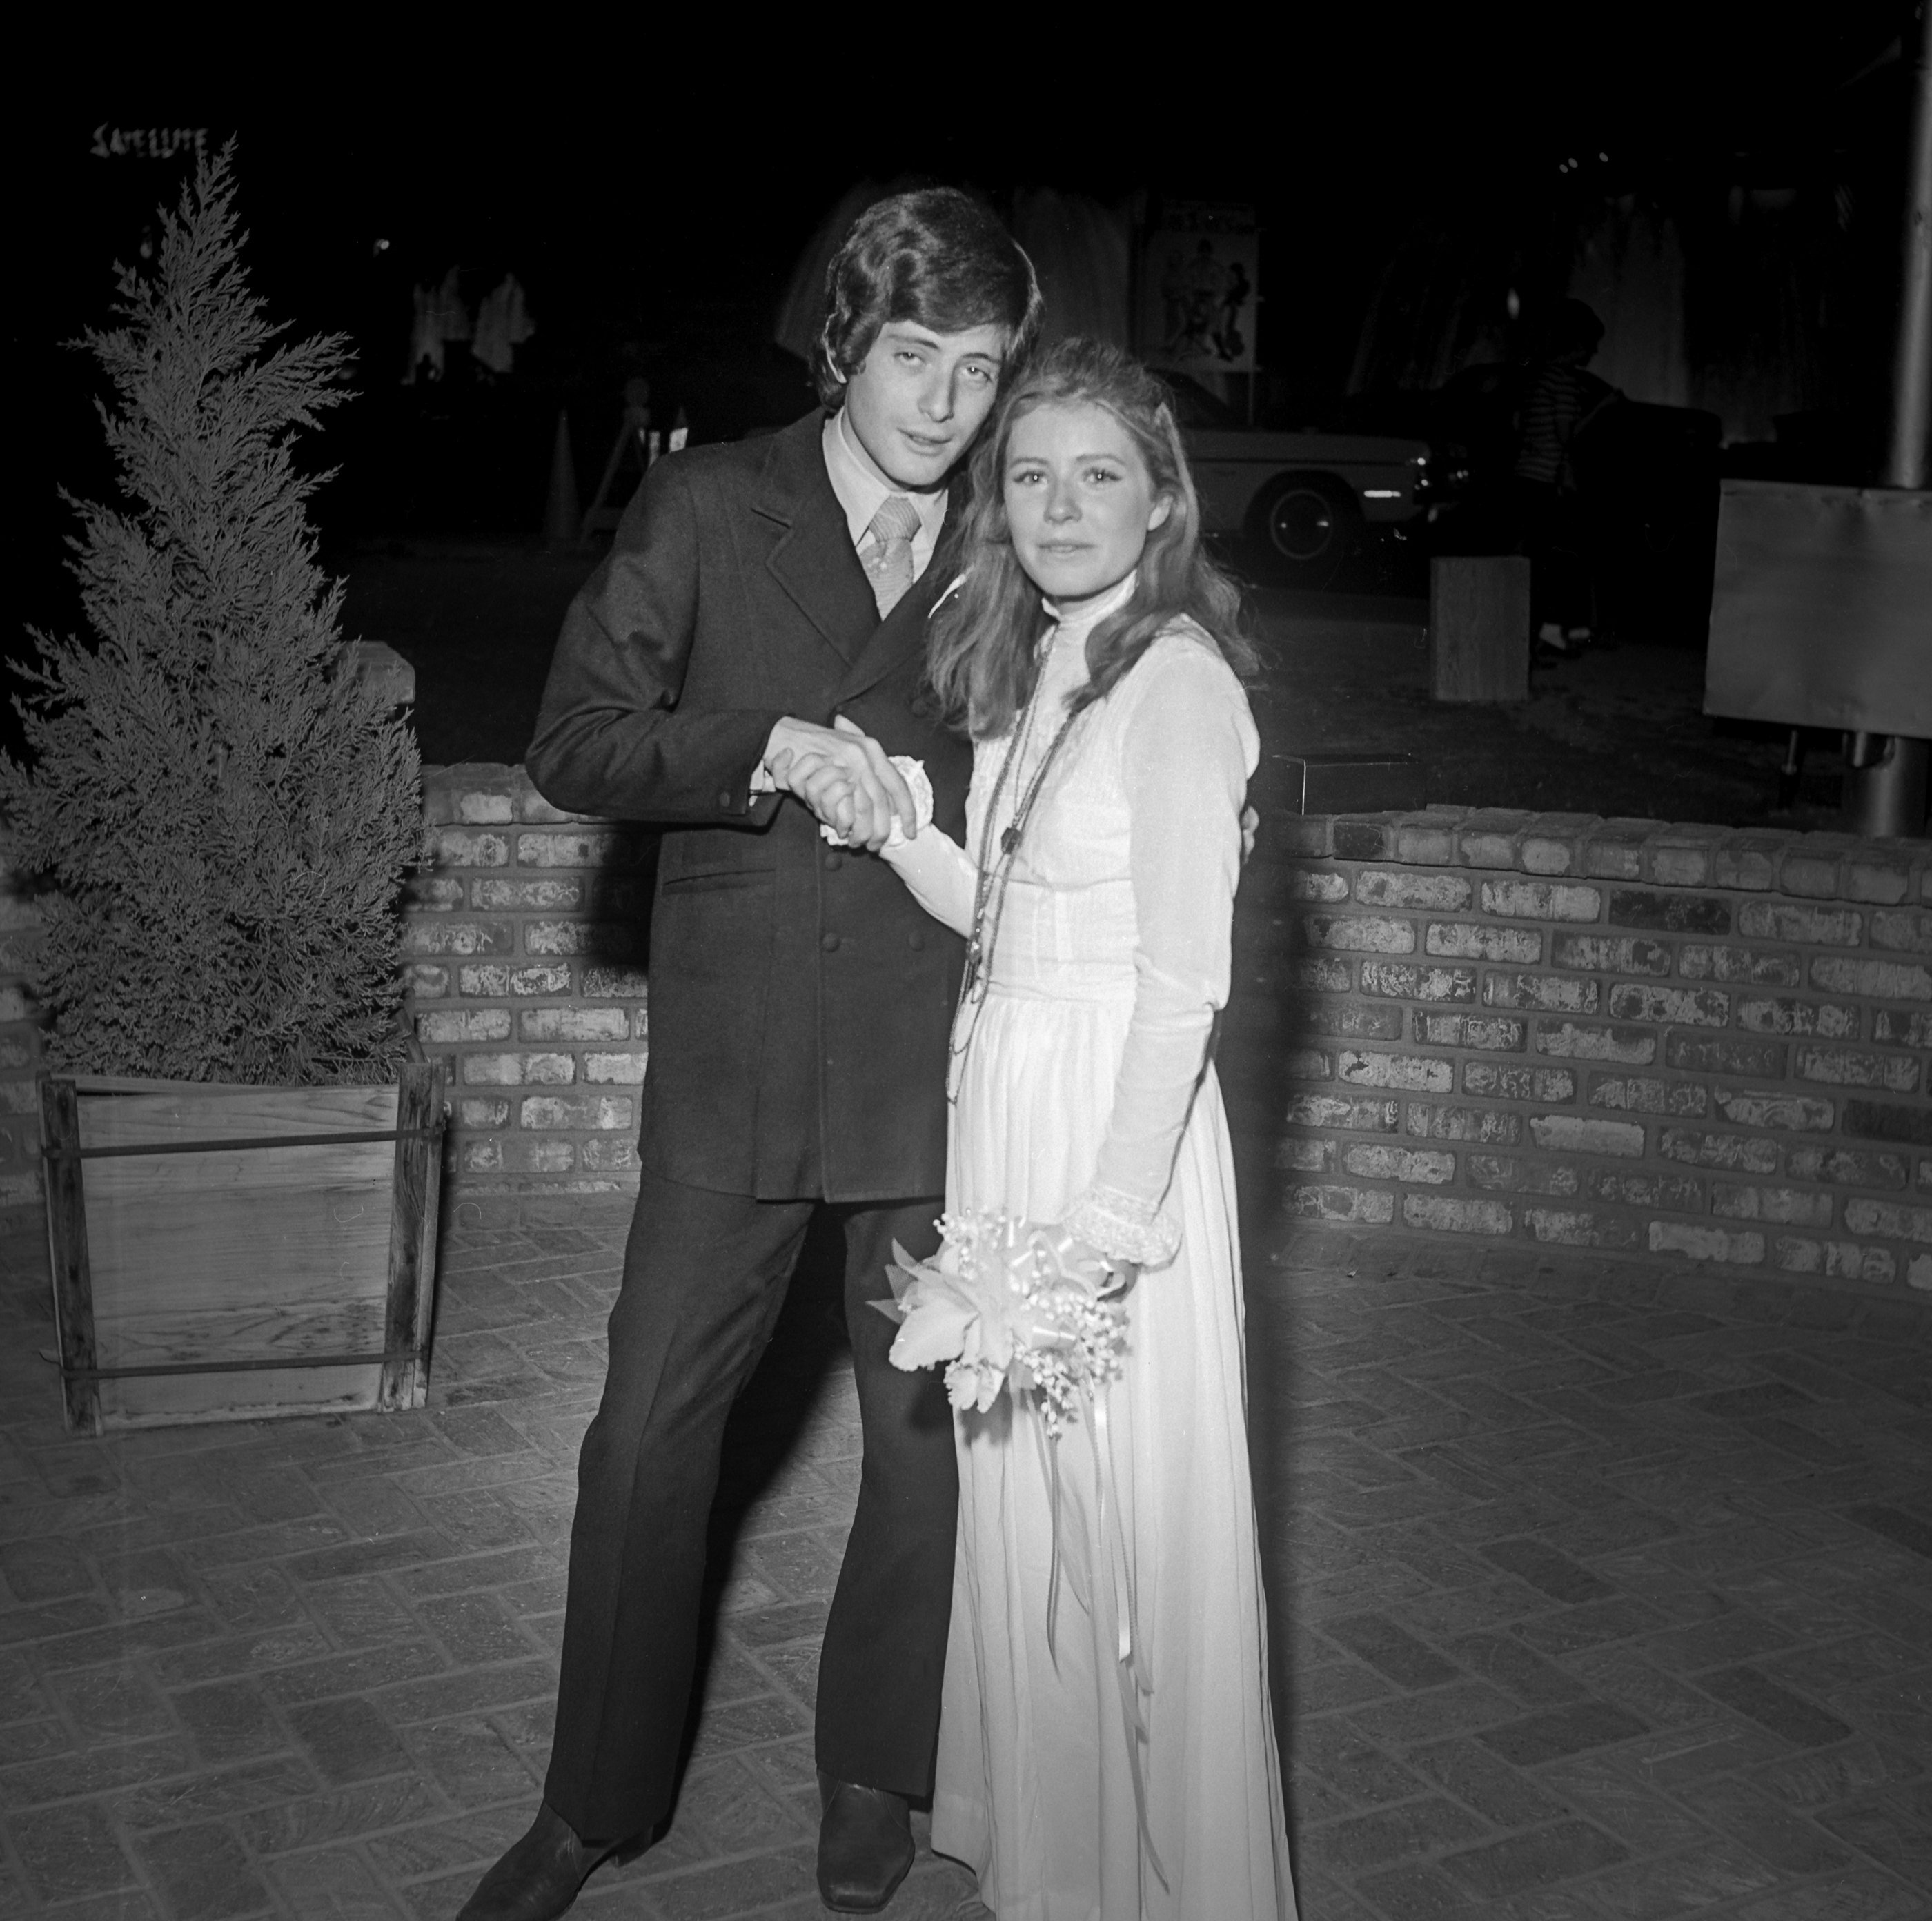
(1602, 1596)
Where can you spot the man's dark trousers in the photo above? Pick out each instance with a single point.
(704, 1277)
(801, 1002)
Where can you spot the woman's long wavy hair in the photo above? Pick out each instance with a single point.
(983, 646)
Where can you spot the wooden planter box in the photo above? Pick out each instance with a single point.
(223, 1253)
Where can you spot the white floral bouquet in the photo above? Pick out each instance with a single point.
(1004, 1304)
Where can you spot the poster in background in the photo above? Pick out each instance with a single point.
(1198, 271)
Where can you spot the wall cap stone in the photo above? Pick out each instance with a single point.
(1661, 853)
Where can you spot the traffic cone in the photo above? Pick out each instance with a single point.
(562, 518)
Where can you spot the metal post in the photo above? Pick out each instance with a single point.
(1887, 795)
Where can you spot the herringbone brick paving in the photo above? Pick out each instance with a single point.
(1599, 1595)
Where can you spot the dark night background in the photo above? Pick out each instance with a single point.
(653, 212)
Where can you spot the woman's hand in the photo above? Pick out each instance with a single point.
(1113, 1277)
(843, 776)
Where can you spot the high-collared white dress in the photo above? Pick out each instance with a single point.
(1086, 1095)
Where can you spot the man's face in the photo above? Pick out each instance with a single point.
(916, 403)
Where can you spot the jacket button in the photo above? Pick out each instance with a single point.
(833, 862)
(915, 940)
(830, 942)
(724, 797)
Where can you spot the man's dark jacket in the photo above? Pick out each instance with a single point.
(800, 999)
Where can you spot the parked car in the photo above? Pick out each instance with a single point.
(1300, 499)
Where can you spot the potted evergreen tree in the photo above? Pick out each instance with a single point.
(218, 814)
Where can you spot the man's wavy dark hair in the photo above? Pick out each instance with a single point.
(935, 256)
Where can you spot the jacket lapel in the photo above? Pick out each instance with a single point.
(813, 559)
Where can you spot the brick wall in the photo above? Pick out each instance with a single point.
(1682, 1041)
(524, 942)
(1697, 1046)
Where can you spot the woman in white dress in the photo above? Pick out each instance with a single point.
(1088, 648)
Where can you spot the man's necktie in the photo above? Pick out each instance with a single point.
(886, 554)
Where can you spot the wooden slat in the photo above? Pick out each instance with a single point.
(183, 1400)
(179, 1114)
(166, 1335)
(67, 1249)
(417, 1165)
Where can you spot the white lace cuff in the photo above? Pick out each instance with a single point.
(1123, 1228)
(913, 772)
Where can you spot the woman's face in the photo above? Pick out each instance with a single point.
(1079, 500)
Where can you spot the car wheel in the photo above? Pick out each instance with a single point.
(1302, 525)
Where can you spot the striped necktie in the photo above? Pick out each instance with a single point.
(886, 555)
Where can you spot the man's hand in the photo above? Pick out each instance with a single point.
(843, 776)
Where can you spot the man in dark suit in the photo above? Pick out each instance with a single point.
(800, 1007)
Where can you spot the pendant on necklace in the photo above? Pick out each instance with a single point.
(1010, 839)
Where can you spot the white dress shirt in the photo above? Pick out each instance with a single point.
(862, 494)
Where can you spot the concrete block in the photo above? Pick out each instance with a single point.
(575, 1023)
(1902, 1027)
(1707, 1054)
(1379, 887)
(584, 1112)
(1910, 1123)
(628, 1066)
(1675, 1191)
(1706, 1244)
(1849, 1067)
(1549, 993)
(1639, 1094)
(1371, 1207)
(459, 846)
(1573, 1133)
(1496, 1033)
(1499, 1083)
(1788, 1207)
(1906, 930)
(1892, 1220)
(1366, 1067)
(1567, 1228)
(1773, 1108)
(1845, 1167)
(583, 847)
(1877, 980)
(1670, 913)
(1328, 1110)
(456, 1025)
(1837, 1020)
(1575, 1040)
(1541, 900)
(1607, 953)
(1406, 981)
(456, 937)
(1358, 933)
(1751, 967)
(1452, 1215)
(1431, 1120)
(1469, 940)
(1816, 927)
(1681, 1006)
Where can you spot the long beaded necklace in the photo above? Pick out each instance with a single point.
(989, 891)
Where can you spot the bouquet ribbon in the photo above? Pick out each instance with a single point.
(1011, 1305)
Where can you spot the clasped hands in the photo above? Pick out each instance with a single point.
(843, 774)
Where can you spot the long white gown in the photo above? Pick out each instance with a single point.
(1085, 1096)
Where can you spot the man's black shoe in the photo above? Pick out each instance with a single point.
(539, 1877)
(865, 1846)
